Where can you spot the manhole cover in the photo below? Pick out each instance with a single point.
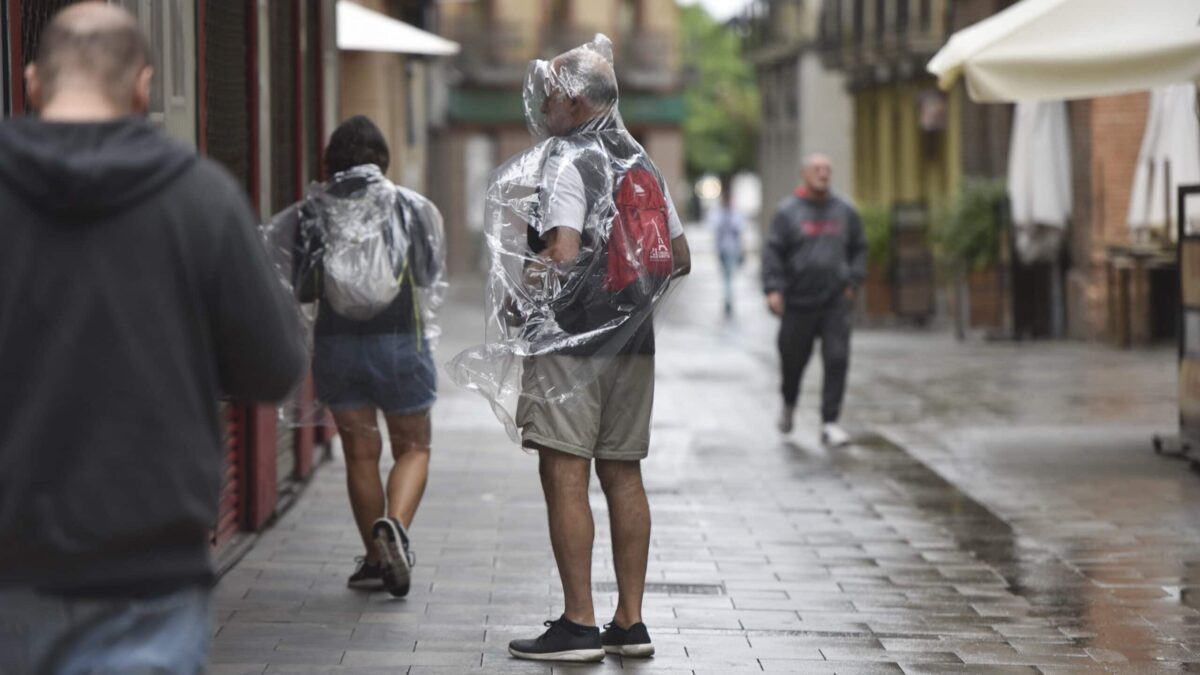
(667, 588)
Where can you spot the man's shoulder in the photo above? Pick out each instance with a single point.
(213, 189)
(844, 202)
(211, 174)
(789, 205)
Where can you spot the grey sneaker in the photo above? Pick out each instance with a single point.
(834, 436)
(632, 641)
(395, 556)
(562, 641)
(785, 422)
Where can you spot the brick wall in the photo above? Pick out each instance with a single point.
(1106, 136)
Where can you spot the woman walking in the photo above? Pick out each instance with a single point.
(372, 256)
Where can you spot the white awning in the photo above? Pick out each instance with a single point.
(1170, 157)
(362, 30)
(1067, 49)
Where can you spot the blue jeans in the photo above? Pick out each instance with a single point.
(52, 634)
(730, 262)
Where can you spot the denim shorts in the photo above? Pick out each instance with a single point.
(389, 372)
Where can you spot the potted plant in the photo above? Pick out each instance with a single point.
(877, 289)
(967, 237)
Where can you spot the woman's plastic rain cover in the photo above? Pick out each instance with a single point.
(360, 251)
(586, 174)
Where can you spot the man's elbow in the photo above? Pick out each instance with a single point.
(682, 267)
(269, 378)
(681, 254)
(563, 255)
(562, 246)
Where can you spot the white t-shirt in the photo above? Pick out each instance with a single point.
(564, 203)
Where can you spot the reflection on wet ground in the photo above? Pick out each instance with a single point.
(999, 512)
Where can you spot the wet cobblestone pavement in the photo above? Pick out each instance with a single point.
(1000, 512)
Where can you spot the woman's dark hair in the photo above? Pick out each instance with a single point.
(355, 142)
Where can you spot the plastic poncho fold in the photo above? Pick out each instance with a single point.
(587, 178)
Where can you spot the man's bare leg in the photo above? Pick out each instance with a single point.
(410, 437)
(565, 484)
(362, 446)
(629, 520)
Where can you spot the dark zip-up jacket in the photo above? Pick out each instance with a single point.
(134, 292)
(814, 250)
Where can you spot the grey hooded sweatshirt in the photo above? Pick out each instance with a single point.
(814, 250)
(134, 291)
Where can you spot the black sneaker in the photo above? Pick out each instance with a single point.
(562, 641)
(632, 641)
(397, 559)
(368, 576)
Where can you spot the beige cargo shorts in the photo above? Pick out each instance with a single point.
(605, 416)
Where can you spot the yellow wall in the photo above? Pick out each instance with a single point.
(660, 15)
(595, 15)
(892, 161)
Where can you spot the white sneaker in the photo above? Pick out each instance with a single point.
(785, 422)
(834, 436)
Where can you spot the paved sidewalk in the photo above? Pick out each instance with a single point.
(775, 555)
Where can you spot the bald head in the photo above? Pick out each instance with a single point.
(584, 87)
(92, 49)
(818, 174)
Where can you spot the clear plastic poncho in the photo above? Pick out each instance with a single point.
(366, 261)
(579, 231)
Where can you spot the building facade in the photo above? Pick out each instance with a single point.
(906, 134)
(478, 121)
(806, 107)
(393, 89)
(915, 145)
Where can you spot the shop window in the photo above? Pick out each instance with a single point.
(169, 27)
(558, 15)
(284, 106)
(227, 79)
(858, 18)
(926, 15)
(412, 12)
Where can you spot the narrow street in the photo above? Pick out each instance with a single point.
(1000, 512)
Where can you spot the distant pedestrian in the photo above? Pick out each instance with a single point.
(728, 225)
(368, 251)
(601, 246)
(814, 261)
(134, 292)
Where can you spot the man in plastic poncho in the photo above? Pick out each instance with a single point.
(591, 172)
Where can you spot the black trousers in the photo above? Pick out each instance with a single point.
(797, 332)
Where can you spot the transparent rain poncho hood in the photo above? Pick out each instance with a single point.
(578, 231)
(362, 256)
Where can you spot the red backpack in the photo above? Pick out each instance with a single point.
(639, 242)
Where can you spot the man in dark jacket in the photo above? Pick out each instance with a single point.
(814, 261)
(134, 292)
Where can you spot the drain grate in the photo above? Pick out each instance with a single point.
(662, 588)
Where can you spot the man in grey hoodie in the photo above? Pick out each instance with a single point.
(814, 260)
(134, 292)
